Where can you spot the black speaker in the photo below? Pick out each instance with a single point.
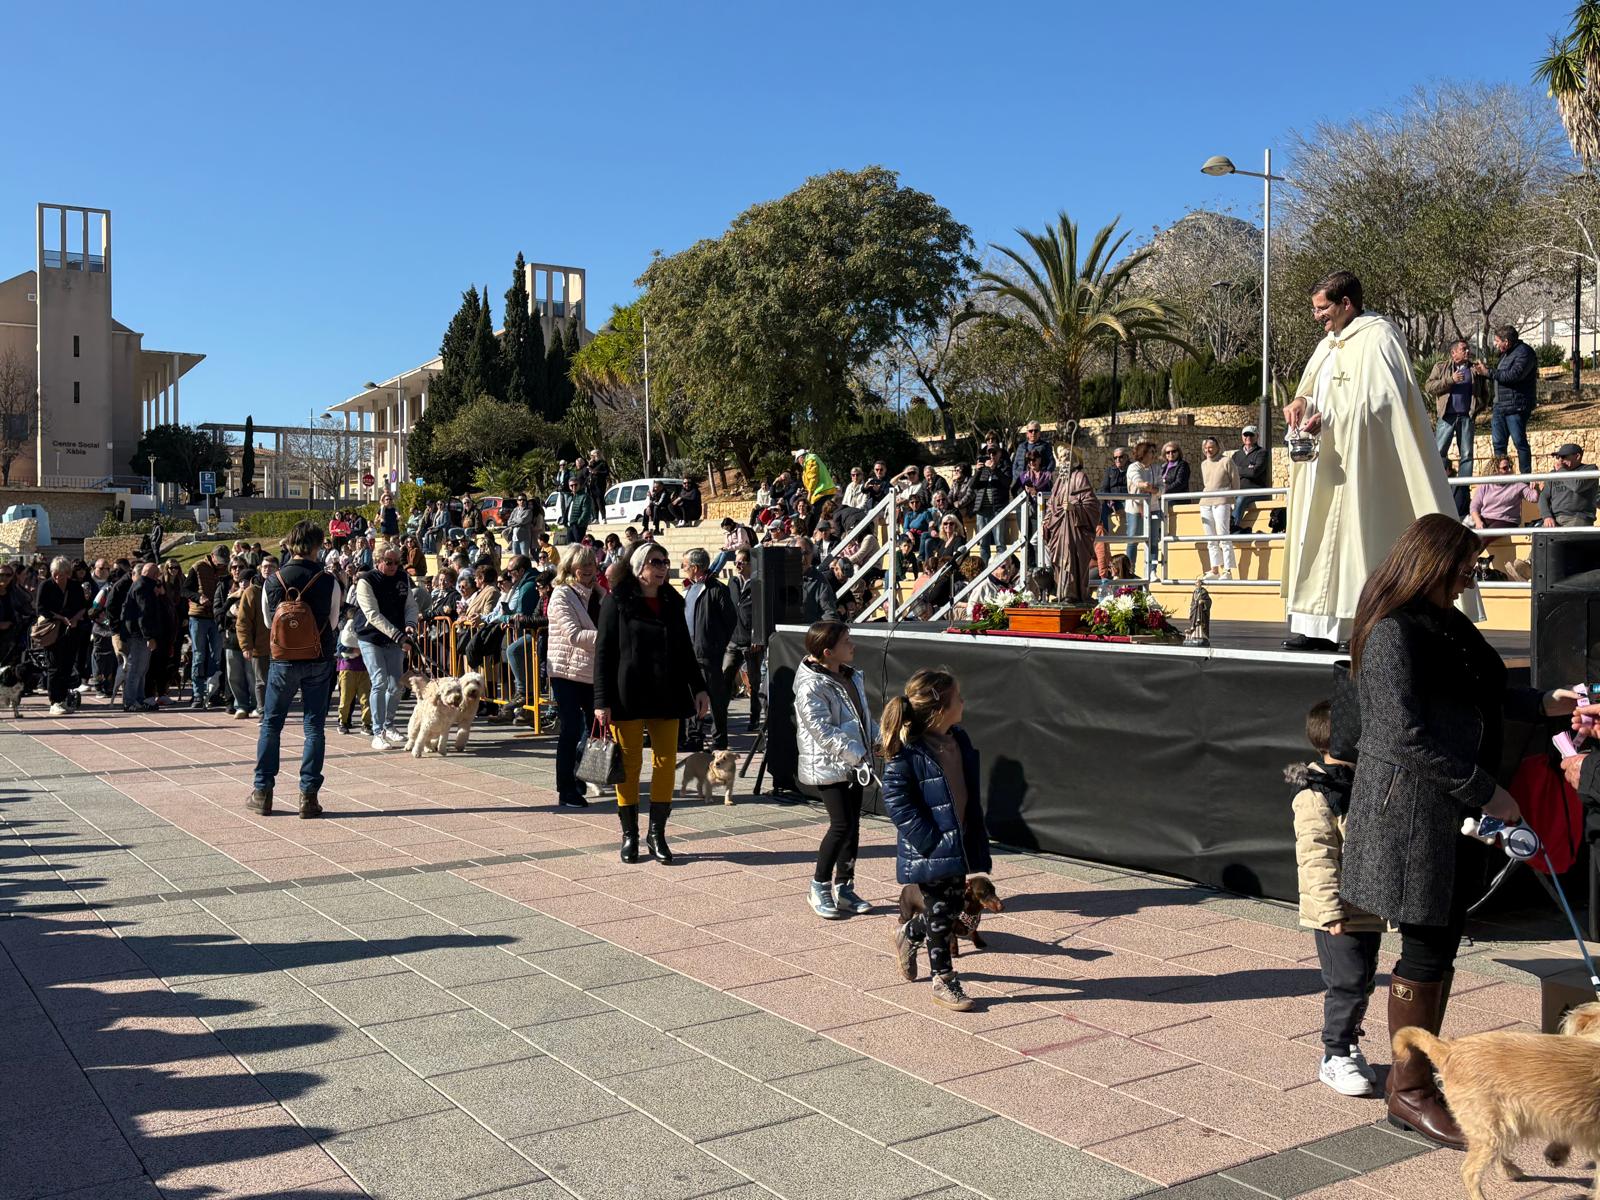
(1566, 611)
(777, 591)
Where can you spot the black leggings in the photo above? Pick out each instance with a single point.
(941, 902)
(836, 858)
(1428, 952)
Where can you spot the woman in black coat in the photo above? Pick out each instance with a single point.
(646, 680)
(1433, 698)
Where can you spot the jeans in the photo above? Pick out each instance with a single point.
(136, 651)
(385, 664)
(994, 538)
(836, 856)
(1349, 964)
(941, 901)
(1505, 424)
(663, 758)
(1135, 529)
(314, 682)
(723, 558)
(240, 683)
(205, 654)
(1456, 427)
(518, 655)
(575, 714)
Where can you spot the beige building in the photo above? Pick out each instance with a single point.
(286, 479)
(98, 386)
(393, 406)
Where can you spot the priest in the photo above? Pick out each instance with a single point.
(1376, 468)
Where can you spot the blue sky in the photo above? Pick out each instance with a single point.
(301, 192)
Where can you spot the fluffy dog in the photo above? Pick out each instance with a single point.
(711, 772)
(1505, 1086)
(472, 688)
(16, 681)
(433, 716)
(980, 898)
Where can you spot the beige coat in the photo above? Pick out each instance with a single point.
(1318, 852)
(250, 625)
(1438, 386)
(572, 634)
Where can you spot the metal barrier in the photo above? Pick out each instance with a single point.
(440, 652)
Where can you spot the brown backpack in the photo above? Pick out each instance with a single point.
(295, 636)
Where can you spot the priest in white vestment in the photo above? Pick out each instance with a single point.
(1377, 468)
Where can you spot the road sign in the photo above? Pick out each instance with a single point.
(208, 483)
(367, 479)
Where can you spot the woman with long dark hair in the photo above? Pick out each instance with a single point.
(1433, 700)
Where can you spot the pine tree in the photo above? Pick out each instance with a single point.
(247, 460)
(519, 370)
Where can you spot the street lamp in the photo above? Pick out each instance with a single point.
(152, 459)
(1219, 164)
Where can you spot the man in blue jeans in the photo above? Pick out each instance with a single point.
(311, 677)
(521, 617)
(205, 642)
(1515, 378)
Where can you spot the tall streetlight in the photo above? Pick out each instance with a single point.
(152, 459)
(1219, 164)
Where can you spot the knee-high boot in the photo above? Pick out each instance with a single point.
(628, 814)
(1414, 1099)
(656, 840)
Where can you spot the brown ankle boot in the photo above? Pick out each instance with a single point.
(1414, 1099)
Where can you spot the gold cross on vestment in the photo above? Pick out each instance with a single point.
(1340, 378)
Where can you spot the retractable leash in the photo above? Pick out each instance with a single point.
(1521, 842)
(864, 775)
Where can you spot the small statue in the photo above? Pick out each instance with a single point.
(1199, 616)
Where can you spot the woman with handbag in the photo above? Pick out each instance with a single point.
(574, 609)
(63, 608)
(646, 681)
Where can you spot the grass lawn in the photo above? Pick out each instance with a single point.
(190, 554)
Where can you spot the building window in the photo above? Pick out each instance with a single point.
(74, 345)
(75, 396)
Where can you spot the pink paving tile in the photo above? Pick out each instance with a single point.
(703, 910)
(1106, 1058)
(816, 1003)
(1177, 1151)
(649, 935)
(1251, 1000)
(689, 868)
(1241, 1049)
(1237, 960)
(1345, 1189)
(590, 908)
(740, 885)
(1516, 1001)
(1142, 937)
(995, 1011)
(843, 962)
(1439, 1174)
(644, 887)
(526, 883)
(1058, 1104)
(299, 867)
(1254, 1111)
(924, 1047)
(1296, 945)
(791, 934)
(726, 965)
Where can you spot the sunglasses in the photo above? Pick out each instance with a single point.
(663, 563)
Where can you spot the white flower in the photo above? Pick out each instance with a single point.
(1122, 604)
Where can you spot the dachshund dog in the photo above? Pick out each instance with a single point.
(980, 898)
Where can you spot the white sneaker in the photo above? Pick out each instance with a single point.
(394, 737)
(58, 710)
(1363, 1065)
(379, 742)
(1343, 1075)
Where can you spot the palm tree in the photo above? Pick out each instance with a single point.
(1072, 309)
(1571, 71)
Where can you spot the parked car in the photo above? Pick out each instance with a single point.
(489, 506)
(624, 503)
(552, 510)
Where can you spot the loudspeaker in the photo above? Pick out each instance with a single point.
(1566, 611)
(777, 591)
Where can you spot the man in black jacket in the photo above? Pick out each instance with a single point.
(712, 618)
(740, 652)
(1254, 462)
(1516, 378)
(819, 601)
(141, 624)
(991, 492)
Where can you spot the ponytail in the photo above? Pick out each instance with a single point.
(906, 717)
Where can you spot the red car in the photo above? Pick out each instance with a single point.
(489, 506)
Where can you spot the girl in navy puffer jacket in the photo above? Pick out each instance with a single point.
(930, 791)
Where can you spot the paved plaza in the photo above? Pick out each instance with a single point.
(450, 988)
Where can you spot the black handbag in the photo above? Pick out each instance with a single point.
(600, 759)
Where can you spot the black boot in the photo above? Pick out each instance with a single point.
(628, 814)
(656, 840)
(309, 807)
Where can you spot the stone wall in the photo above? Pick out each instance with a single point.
(19, 539)
(74, 513)
(111, 548)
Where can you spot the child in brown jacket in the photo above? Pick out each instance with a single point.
(1347, 939)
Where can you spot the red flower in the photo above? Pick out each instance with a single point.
(979, 612)
(1153, 620)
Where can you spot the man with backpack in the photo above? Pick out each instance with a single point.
(302, 611)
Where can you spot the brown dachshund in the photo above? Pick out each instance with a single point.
(980, 898)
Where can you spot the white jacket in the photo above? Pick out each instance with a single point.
(572, 633)
(829, 731)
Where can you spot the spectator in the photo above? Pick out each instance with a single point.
(574, 609)
(934, 586)
(338, 530)
(877, 484)
(1000, 589)
(991, 487)
(1140, 488)
(1031, 443)
(229, 597)
(355, 685)
(1254, 462)
(1461, 394)
(686, 505)
(158, 534)
(1037, 477)
(1217, 474)
(818, 599)
(742, 652)
(816, 483)
(519, 527)
(934, 484)
(16, 614)
(143, 615)
(1172, 476)
(657, 507)
(1568, 504)
(713, 619)
(916, 523)
(734, 536)
(855, 492)
(1499, 505)
(388, 518)
(1516, 378)
(580, 512)
(646, 681)
(205, 646)
(311, 678)
(386, 617)
(961, 497)
(1113, 483)
(952, 539)
(598, 480)
(523, 619)
(823, 540)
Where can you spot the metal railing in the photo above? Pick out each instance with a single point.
(440, 651)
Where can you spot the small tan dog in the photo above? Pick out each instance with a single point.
(433, 717)
(1506, 1086)
(711, 772)
(472, 688)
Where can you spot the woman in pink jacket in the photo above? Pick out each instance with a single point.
(574, 606)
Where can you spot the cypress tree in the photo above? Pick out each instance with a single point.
(519, 370)
(247, 460)
(448, 391)
(558, 384)
(483, 356)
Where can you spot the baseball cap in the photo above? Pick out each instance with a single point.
(1567, 450)
(1250, 429)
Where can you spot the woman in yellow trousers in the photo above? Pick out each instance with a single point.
(646, 681)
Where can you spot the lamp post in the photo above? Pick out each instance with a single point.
(646, 327)
(152, 459)
(1219, 164)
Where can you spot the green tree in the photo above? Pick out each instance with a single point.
(484, 365)
(1571, 72)
(608, 375)
(247, 459)
(490, 431)
(1070, 309)
(457, 384)
(522, 346)
(771, 323)
(559, 389)
(182, 452)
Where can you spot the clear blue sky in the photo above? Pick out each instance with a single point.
(301, 192)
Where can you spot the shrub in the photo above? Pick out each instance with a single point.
(1145, 389)
(863, 447)
(111, 527)
(1204, 382)
(275, 523)
(1550, 355)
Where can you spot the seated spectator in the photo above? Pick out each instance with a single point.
(657, 508)
(936, 585)
(687, 505)
(932, 483)
(763, 502)
(855, 492)
(1000, 588)
(860, 552)
(909, 483)
(823, 540)
(916, 522)
(818, 601)
(1568, 504)
(877, 484)
(952, 537)
(1499, 505)
(734, 536)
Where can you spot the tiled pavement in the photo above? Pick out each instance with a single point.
(448, 988)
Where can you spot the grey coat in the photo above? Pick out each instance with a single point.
(1433, 695)
(832, 738)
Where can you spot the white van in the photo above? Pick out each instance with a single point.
(624, 502)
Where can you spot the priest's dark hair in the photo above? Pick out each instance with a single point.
(1339, 286)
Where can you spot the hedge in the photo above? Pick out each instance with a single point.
(278, 522)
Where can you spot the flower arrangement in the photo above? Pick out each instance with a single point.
(984, 617)
(1129, 612)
